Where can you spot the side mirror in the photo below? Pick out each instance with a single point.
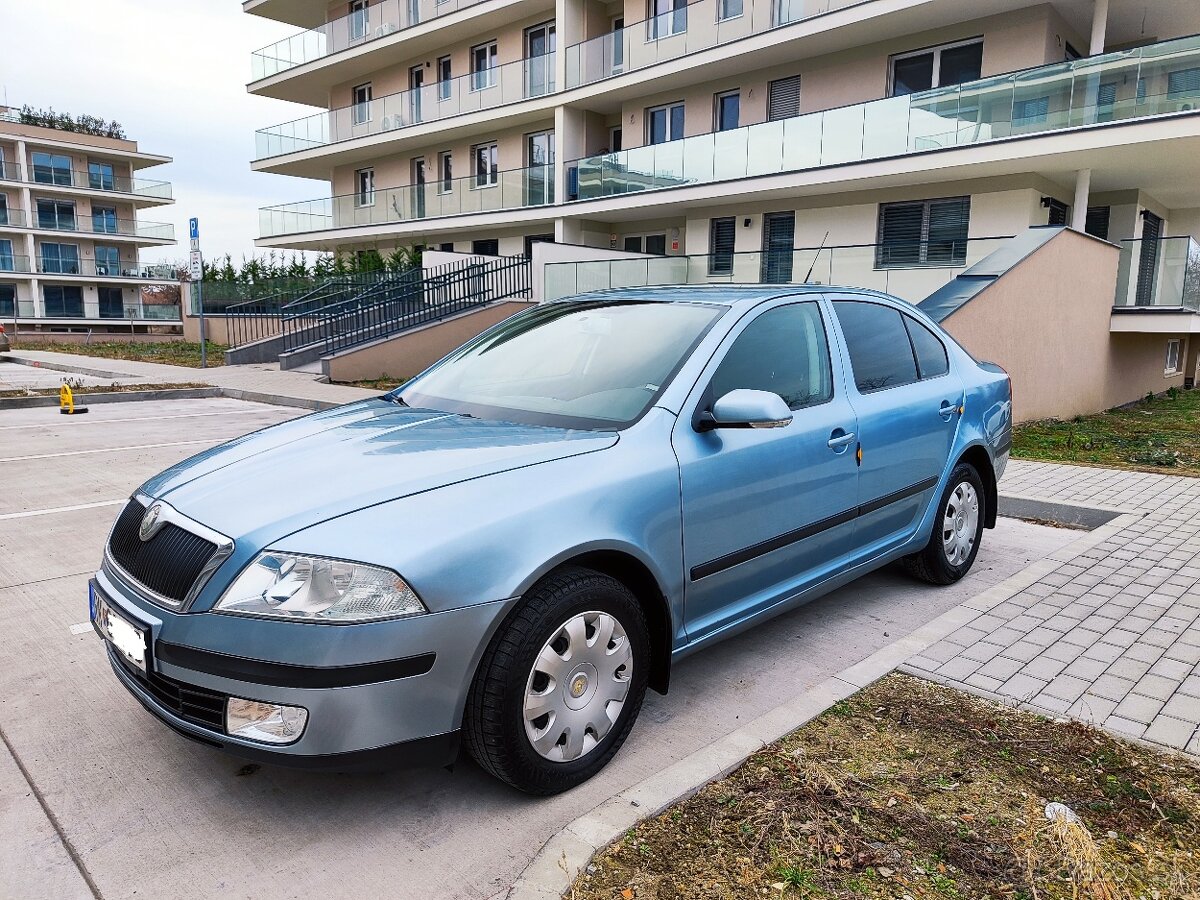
(747, 409)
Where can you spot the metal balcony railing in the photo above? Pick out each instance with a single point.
(1149, 81)
(509, 189)
(485, 89)
(1162, 273)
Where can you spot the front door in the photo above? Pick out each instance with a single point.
(416, 79)
(778, 243)
(539, 63)
(539, 176)
(766, 512)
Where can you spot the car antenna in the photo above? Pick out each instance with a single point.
(816, 257)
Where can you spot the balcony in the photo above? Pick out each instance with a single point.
(1151, 81)
(697, 26)
(871, 266)
(150, 231)
(380, 20)
(511, 189)
(87, 181)
(89, 268)
(486, 89)
(1161, 274)
(12, 218)
(14, 264)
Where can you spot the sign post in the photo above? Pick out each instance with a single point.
(196, 270)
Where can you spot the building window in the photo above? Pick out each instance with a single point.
(445, 172)
(614, 139)
(101, 177)
(108, 261)
(486, 247)
(656, 244)
(924, 233)
(664, 123)
(727, 109)
(483, 66)
(7, 260)
(728, 9)
(8, 299)
(364, 180)
(359, 19)
(783, 98)
(58, 215)
(1071, 53)
(446, 247)
(1098, 221)
(50, 168)
(487, 164)
(3, 206)
(1173, 353)
(1184, 84)
(444, 76)
(60, 259)
(361, 103)
(104, 220)
(112, 303)
(720, 245)
(1059, 211)
(63, 301)
(937, 67)
(1033, 111)
(665, 18)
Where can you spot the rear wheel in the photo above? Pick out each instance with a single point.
(957, 529)
(560, 685)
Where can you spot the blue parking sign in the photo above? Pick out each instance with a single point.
(194, 229)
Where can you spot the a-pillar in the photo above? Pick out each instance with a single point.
(1099, 27)
(1083, 192)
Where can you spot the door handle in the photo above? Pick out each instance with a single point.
(947, 410)
(840, 441)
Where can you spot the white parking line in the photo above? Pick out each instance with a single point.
(111, 449)
(75, 421)
(59, 509)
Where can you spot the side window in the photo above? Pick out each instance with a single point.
(880, 352)
(783, 351)
(931, 352)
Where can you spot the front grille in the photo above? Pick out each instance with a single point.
(169, 563)
(197, 705)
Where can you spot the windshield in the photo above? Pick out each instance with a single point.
(587, 365)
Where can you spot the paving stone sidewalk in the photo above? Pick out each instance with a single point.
(1106, 631)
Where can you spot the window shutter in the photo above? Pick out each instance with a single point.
(1185, 82)
(783, 98)
(1058, 213)
(720, 245)
(1097, 221)
(949, 222)
(900, 226)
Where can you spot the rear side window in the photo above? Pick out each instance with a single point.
(783, 351)
(880, 351)
(931, 352)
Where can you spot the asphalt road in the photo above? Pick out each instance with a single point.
(99, 799)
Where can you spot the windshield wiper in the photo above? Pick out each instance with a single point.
(394, 398)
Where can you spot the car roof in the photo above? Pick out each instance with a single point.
(723, 294)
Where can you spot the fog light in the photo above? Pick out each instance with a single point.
(266, 722)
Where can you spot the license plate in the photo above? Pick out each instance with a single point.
(126, 638)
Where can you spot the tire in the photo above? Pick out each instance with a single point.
(947, 557)
(558, 616)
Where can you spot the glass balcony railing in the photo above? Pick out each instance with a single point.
(12, 218)
(380, 20)
(860, 266)
(157, 231)
(1163, 273)
(11, 263)
(90, 268)
(688, 29)
(1149, 81)
(487, 89)
(160, 312)
(88, 181)
(510, 189)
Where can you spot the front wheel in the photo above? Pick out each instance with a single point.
(957, 529)
(560, 685)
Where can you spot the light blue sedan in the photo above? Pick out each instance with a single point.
(506, 552)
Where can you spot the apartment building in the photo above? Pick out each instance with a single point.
(907, 138)
(71, 231)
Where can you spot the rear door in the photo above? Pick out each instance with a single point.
(908, 408)
(766, 512)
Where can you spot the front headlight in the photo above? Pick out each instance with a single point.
(290, 586)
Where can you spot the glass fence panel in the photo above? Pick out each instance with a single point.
(1160, 273)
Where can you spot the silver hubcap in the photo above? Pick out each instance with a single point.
(959, 523)
(578, 686)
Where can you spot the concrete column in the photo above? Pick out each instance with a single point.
(1099, 27)
(568, 146)
(1083, 192)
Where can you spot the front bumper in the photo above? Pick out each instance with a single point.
(378, 694)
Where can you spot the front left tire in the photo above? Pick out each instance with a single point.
(561, 683)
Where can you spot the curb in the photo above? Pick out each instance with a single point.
(112, 397)
(565, 855)
(63, 367)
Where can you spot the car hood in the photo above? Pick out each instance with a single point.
(290, 476)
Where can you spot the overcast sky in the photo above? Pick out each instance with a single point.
(173, 73)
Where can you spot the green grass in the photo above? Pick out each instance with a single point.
(176, 353)
(384, 383)
(1159, 434)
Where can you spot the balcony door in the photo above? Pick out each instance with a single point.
(416, 80)
(112, 303)
(418, 187)
(1152, 227)
(539, 174)
(539, 61)
(778, 247)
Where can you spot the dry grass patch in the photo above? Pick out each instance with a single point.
(909, 790)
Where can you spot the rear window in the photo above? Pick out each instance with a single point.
(881, 354)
